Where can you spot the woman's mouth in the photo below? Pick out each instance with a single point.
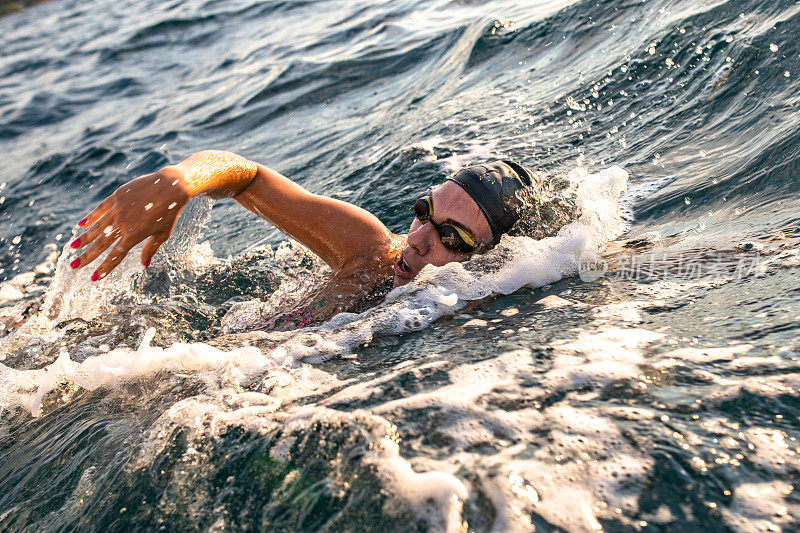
(402, 270)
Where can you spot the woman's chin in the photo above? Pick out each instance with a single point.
(398, 281)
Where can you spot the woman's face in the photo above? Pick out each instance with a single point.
(424, 247)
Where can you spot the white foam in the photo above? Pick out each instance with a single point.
(27, 388)
(771, 451)
(582, 471)
(447, 491)
(627, 311)
(758, 507)
(553, 302)
(600, 358)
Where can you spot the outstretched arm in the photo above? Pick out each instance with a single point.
(336, 231)
(148, 207)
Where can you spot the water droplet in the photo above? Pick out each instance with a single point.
(148, 207)
(729, 39)
(575, 105)
(172, 205)
(687, 201)
(16, 240)
(787, 73)
(773, 47)
(670, 63)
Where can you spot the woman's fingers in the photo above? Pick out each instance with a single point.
(152, 245)
(97, 212)
(97, 247)
(100, 228)
(117, 253)
(114, 257)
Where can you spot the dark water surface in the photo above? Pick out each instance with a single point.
(657, 391)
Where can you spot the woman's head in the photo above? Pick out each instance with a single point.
(472, 209)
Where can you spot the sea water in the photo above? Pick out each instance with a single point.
(636, 370)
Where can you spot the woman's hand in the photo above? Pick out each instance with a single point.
(145, 208)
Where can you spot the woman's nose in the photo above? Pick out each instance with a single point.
(419, 239)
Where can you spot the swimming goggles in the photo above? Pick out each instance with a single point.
(453, 236)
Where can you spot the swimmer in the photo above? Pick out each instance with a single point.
(465, 215)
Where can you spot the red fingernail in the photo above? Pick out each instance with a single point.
(95, 276)
(76, 263)
(82, 222)
(75, 244)
(147, 263)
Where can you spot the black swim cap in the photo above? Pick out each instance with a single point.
(494, 188)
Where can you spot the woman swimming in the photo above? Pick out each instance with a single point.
(465, 215)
